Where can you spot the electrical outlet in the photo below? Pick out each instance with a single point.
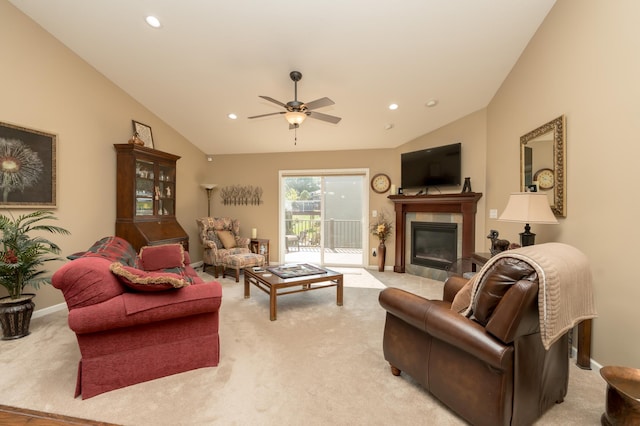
(374, 213)
(493, 213)
(374, 252)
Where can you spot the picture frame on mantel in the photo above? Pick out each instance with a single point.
(144, 133)
(27, 167)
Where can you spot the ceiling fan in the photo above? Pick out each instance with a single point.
(297, 111)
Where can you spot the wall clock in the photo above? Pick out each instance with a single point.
(545, 178)
(380, 183)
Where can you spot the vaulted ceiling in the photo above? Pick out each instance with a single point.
(212, 58)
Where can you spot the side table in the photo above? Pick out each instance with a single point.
(260, 246)
(478, 259)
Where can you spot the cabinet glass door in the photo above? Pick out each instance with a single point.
(166, 190)
(144, 188)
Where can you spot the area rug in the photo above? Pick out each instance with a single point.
(318, 364)
(359, 277)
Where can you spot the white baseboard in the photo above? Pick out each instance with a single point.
(375, 267)
(49, 310)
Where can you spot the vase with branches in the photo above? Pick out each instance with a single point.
(381, 229)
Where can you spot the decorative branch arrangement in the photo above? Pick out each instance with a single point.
(241, 195)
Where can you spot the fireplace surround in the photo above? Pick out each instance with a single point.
(464, 203)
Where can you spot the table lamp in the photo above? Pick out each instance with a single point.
(528, 207)
(209, 187)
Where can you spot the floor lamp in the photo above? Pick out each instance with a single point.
(528, 207)
(209, 187)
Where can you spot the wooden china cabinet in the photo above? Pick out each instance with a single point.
(146, 197)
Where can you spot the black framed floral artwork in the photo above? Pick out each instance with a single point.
(27, 167)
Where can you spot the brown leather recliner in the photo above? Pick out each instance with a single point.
(490, 368)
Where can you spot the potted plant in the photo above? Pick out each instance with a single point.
(381, 229)
(21, 258)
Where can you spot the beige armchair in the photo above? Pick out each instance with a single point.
(220, 238)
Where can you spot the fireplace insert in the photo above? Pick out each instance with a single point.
(434, 244)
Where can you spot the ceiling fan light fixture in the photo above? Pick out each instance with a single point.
(295, 117)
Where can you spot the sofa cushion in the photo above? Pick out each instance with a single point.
(227, 238)
(140, 280)
(135, 308)
(87, 281)
(164, 256)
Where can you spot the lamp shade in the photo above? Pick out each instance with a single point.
(295, 117)
(528, 207)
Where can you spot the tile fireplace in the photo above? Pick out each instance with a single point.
(465, 204)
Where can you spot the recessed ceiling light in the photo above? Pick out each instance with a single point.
(393, 107)
(431, 103)
(153, 21)
(232, 116)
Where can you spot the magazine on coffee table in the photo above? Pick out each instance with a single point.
(296, 270)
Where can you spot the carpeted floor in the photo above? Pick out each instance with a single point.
(317, 364)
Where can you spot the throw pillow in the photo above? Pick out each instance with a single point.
(137, 279)
(211, 236)
(227, 238)
(462, 300)
(110, 248)
(162, 256)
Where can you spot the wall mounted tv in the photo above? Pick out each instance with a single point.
(439, 166)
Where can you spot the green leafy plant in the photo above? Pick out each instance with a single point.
(22, 255)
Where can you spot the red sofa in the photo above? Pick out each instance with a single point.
(130, 333)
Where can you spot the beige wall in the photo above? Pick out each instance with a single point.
(471, 131)
(263, 170)
(584, 63)
(45, 86)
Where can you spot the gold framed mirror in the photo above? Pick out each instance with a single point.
(543, 163)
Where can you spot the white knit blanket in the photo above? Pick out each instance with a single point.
(565, 294)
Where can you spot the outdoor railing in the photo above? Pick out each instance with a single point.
(337, 233)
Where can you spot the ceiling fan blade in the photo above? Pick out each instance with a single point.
(273, 100)
(324, 117)
(319, 103)
(266, 115)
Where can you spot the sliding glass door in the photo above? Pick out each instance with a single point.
(322, 217)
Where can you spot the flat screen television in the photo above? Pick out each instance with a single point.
(439, 166)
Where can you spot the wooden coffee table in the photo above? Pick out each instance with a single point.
(275, 286)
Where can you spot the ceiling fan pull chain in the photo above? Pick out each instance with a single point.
(295, 136)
